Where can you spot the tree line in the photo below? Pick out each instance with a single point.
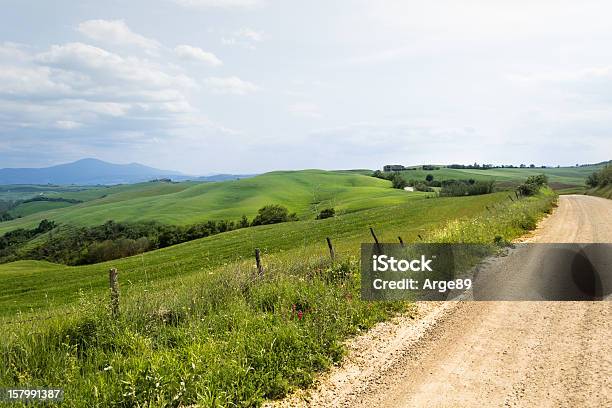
(71, 245)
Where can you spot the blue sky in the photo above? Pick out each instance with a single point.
(205, 86)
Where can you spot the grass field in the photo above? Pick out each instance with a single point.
(605, 192)
(562, 177)
(305, 192)
(198, 326)
(25, 209)
(22, 288)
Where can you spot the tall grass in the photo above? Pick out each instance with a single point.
(222, 337)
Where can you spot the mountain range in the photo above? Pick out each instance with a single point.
(94, 171)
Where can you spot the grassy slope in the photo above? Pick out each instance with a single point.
(210, 333)
(562, 175)
(22, 288)
(305, 192)
(30, 208)
(605, 192)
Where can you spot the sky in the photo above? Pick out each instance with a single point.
(248, 86)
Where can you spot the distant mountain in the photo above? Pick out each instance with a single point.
(86, 172)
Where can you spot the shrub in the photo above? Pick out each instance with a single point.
(326, 213)
(532, 185)
(528, 189)
(538, 180)
(398, 182)
(600, 178)
(422, 187)
(273, 214)
(455, 188)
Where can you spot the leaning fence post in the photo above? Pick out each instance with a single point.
(260, 268)
(114, 290)
(401, 241)
(517, 195)
(332, 254)
(510, 197)
(375, 239)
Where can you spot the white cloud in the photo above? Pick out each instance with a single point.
(187, 52)
(245, 37)
(74, 85)
(230, 85)
(305, 109)
(220, 3)
(116, 33)
(67, 124)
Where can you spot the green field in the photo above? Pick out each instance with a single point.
(305, 192)
(605, 192)
(25, 209)
(197, 325)
(22, 288)
(561, 177)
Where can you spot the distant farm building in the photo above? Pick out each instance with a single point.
(393, 167)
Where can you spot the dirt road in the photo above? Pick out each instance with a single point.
(469, 354)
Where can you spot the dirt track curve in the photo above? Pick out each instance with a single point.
(495, 353)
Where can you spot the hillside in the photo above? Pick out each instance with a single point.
(185, 307)
(84, 172)
(304, 192)
(561, 177)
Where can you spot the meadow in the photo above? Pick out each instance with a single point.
(198, 325)
(304, 192)
(561, 177)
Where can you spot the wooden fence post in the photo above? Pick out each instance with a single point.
(332, 254)
(401, 241)
(114, 290)
(517, 195)
(510, 197)
(260, 268)
(375, 239)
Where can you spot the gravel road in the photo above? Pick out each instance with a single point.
(494, 353)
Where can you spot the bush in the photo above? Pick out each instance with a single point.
(326, 213)
(456, 188)
(538, 180)
(532, 185)
(600, 178)
(422, 187)
(528, 189)
(398, 182)
(273, 214)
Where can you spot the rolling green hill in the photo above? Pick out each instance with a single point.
(305, 192)
(558, 177)
(198, 325)
(29, 208)
(27, 285)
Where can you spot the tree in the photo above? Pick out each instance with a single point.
(429, 178)
(398, 182)
(244, 222)
(273, 214)
(326, 213)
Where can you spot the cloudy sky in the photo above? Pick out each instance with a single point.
(206, 86)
